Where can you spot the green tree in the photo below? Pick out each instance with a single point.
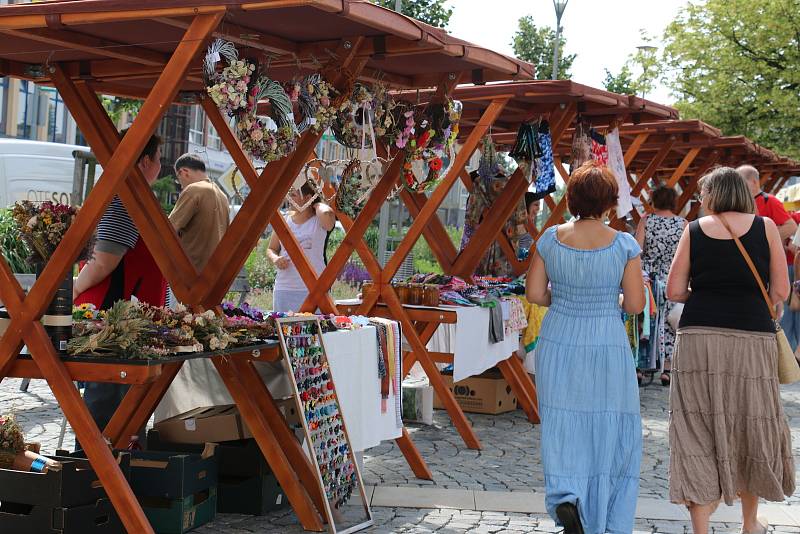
(645, 62)
(622, 83)
(535, 45)
(736, 65)
(433, 12)
(115, 106)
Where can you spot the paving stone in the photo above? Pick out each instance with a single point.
(508, 462)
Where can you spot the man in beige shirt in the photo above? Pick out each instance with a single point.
(201, 214)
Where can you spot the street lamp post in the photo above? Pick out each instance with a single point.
(646, 50)
(560, 6)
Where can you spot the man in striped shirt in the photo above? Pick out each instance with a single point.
(121, 267)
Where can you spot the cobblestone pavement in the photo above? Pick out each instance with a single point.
(509, 461)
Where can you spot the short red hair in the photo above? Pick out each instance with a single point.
(591, 191)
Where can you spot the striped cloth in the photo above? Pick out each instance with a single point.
(116, 225)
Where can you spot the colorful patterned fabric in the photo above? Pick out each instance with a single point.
(545, 172)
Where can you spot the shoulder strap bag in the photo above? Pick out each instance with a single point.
(788, 369)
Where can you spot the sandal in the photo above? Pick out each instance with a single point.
(665, 378)
(569, 517)
(762, 523)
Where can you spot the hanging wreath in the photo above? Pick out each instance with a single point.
(352, 115)
(230, 90)
(424, 154)
(237, 90)
(315, 99)
(263, 143)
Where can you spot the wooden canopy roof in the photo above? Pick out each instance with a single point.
(122, 45)
(532, 99)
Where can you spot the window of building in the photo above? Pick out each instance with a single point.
(56, 116)
(26, 116)
(213, 138)
(3, 104)
(196, 128)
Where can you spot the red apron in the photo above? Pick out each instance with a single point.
(136, 275)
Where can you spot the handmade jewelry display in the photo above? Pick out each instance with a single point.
(326, 434)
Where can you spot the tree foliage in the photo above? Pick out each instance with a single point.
(736, 65)
(622, 83)
(639, 73)
(115, 106)
(535, 45)
(433, 12)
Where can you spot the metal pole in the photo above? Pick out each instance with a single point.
(555, 49)
(398, 6)
(560, 6)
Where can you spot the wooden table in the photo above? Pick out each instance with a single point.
(426, 321)
(150, 379)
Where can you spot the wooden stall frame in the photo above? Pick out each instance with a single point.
(80, 81)
(26, 310)
(382, 277)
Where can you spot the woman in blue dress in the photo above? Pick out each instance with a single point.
(585, 372)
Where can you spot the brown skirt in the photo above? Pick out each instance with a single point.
(727, 429)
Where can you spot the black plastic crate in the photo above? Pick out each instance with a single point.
(257, 495)
(171, 475)
(97, 518)
(240, 458)
(76, 484)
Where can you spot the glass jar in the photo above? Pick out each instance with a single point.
(366, 289)
(417, 294)
(431, 295)
(402, 292)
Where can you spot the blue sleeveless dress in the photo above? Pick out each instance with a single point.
(586, 382)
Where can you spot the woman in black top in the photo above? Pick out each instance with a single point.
(728, 433)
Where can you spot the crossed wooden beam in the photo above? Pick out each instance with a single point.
(423, 209)
(200, 290)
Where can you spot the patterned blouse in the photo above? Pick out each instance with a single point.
(661, 236)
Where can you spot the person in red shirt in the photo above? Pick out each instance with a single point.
(769, 206)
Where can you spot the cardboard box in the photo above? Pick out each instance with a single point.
(209, 424)
(215, 424)
(487, 393)
(177, 516)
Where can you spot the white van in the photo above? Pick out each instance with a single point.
(36, 171)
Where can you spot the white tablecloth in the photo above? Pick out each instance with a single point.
(354, 365)
(468, 341)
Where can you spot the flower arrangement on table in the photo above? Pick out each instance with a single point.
(132, 330)
(423, 155)
(12, 441)
(43, 226)
(15, 454)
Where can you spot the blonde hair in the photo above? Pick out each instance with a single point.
(726, 190)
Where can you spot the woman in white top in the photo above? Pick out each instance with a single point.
(310, 227)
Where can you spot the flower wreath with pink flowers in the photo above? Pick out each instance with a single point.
(427, 139)
(237, 90)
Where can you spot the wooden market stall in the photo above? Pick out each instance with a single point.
(686, 150)
(497, 109)
(154, 51)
